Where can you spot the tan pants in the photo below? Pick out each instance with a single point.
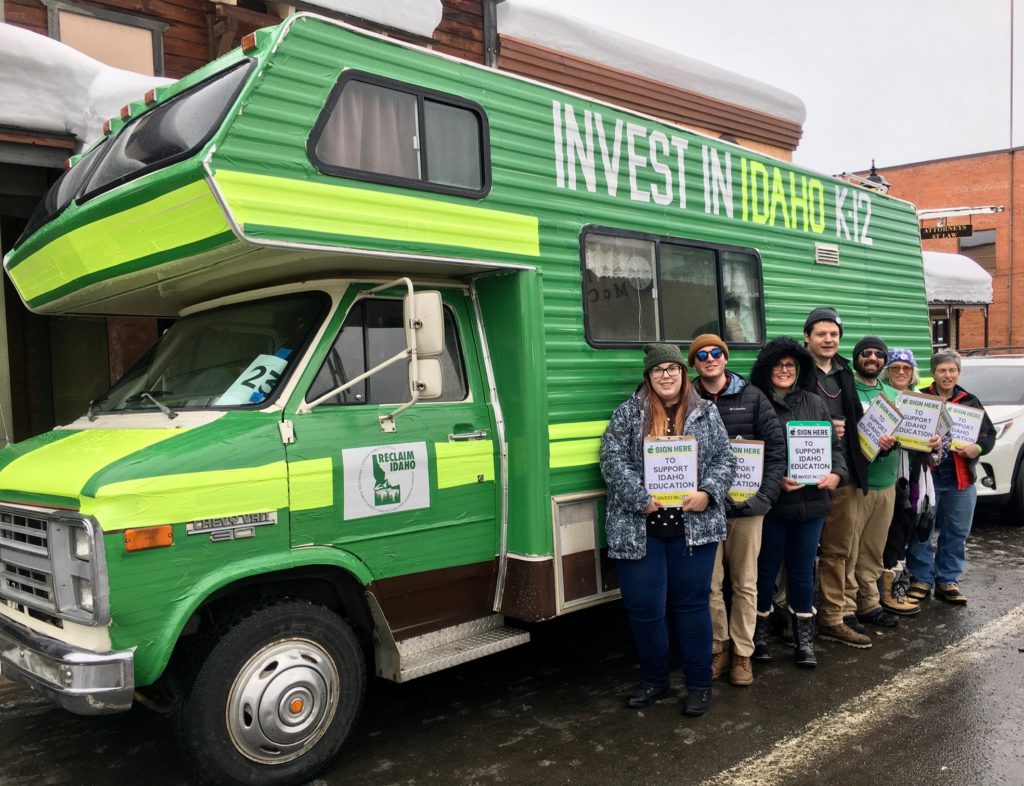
(739, 550)
(863, 572)
(840, 533)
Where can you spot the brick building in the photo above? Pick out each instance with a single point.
(995, 242)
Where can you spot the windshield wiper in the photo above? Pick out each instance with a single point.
(171, 414)
(90, 414)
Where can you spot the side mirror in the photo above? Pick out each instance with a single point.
(430, 381)
(425, 381)
(429, 322)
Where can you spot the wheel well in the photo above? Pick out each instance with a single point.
(329, 587)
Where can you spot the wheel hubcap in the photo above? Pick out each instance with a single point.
(282, 701)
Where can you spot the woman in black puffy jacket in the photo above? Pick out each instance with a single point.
(784, 371)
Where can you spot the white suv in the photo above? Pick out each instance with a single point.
(998, 381)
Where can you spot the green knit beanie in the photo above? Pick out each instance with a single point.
(656, 354)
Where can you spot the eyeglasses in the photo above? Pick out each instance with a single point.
(873, 353)
(899, 368)
(672, 371)
(704, 354)
(784, 367)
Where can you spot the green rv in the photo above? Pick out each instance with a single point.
(408, 292)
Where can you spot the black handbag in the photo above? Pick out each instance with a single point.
(925, 521)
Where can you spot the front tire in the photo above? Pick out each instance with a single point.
(272, 696)
(1013, 511)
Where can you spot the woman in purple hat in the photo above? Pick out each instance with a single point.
(914, 495)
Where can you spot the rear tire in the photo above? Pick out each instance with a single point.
(272, 696)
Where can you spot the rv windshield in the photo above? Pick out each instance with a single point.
(234, 356)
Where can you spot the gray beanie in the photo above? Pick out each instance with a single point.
(871, 342)
(656, 354)
(823, 314)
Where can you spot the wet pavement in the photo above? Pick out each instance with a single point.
(939, 701)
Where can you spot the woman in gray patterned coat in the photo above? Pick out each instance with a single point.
(664, 555)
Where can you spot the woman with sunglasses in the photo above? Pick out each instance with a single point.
(665, 556)
(784, 371)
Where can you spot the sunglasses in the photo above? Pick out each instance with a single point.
(873, 353)
(704, 354)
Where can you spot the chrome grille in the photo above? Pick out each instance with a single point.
(26, 566)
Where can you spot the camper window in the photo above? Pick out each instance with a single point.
(388, 132)
(372, 333)
(642, 288)
(169, 132)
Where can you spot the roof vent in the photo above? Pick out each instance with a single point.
(826, 254)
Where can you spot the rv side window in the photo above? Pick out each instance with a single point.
(372, 333)
(388, 132)
(639, 289)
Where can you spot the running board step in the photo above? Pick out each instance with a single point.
(442, 649)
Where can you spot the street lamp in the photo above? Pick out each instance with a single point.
(878, 180)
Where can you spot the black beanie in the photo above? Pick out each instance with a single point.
(870, 342)
(656, 354)
(823, 314)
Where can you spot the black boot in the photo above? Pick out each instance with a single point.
(762, 627)
(803, 630)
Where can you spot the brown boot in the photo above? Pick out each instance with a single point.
(892, 602)
(719, 659)
(741, 672)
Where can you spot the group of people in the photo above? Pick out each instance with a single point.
(866, 528)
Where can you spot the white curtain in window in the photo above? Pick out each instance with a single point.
(372, 129)
(620, 257)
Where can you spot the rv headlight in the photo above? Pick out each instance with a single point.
(83, 594)
(81, 543)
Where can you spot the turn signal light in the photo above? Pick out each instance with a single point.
(148, 538)
(249, 42)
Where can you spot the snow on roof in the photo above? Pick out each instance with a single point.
(956, 279)
(48, 86)
(420, 17)
(533, 21)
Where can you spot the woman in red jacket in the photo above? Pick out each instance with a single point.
(955, 495)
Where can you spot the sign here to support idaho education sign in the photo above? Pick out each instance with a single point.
(670, 469)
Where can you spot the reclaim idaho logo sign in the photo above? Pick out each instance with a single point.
(386, 479)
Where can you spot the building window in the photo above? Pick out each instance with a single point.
(372, 333)
(981, 247)
(638, 289)
(388, 132)
(940, 333)
(115, 38)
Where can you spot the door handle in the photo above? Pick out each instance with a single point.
(468, 435)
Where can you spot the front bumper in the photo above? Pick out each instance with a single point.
(83, 682)
(995, 472)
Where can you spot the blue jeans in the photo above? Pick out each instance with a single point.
(954, 513)
(796, 542)
(673, 575)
